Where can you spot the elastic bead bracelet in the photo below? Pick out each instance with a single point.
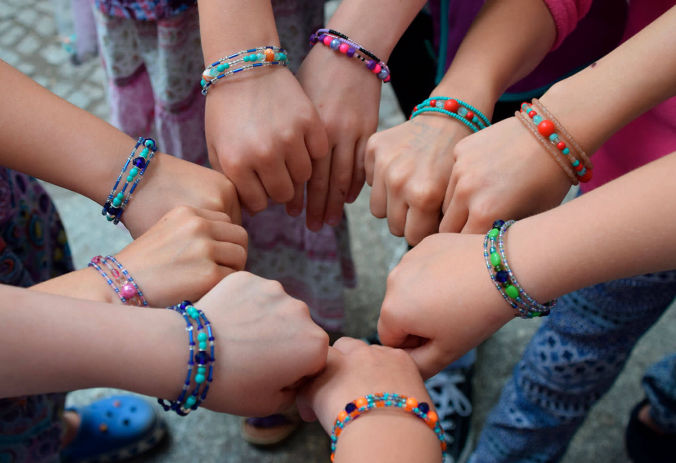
(117, 200)
(269, 55)
(204, 359)
(554, 137)
(467, 114)
(343, 44)
(122, 283)
(366, 403)
(505, 281)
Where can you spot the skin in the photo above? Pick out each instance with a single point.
(266, 344)
(63, 156)
(355, 369)
(409, 165)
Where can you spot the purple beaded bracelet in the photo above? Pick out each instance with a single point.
(342, 43)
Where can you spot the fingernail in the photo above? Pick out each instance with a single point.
(294, 212)
(333, 221)
(313, 225)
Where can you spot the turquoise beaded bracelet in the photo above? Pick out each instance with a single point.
(243, 60)
(504, 279)
(467, 114)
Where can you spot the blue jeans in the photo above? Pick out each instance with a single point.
(572, 360)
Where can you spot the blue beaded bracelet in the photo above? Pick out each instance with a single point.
(200, 360)
(367, 403)
(117, 200)
(505, 281)
(237, 62)
(471, 117)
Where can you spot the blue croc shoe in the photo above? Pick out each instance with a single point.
(114, 429)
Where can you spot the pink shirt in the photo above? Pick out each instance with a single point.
(648, 137)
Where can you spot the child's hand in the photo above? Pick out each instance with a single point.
(185, 254)
(347, 97)
(408, 167)
(170, 182)
(263, 132)
(502, 172)
(266, 344)
(440, 301)
(355, 369)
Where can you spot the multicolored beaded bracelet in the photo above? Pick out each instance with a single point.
(366, 403)
(123, 284)
(342, 43)
(504, 279)
(470, 116)
(269, 55)
(555, 135)
(204, 359)
(117, 200)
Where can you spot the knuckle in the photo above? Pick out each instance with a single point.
(425, 196)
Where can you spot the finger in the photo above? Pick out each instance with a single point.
(347, 344)
(396, 215)
(215, 216)
(316, 140)
(455, 216)
(420, 224)
(476, 224)
(370, 160)
(304, 409)
(391, 334)
(378, 201)
(358, 172)
(295, 206)
(299, 164)
(252, 194)
(428, 358)
(342, 163)
(228, 233)
(230, 255)
(277, 181)
(317, 191)
(450, 191)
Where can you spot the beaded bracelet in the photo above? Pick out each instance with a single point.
(237, 62)
(470, 116)
(204, 359)
(342, 43)
(123, 284)
(553, 137)
(366, 403)
(117, 201)
(504, 279)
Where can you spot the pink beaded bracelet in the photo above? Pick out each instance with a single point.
(119, 279)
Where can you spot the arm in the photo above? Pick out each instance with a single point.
(182, 256)
(385, 434)
(635, 219)
(265, 344)
(262, 131)
(347, 97)
(49, 138)
(488, 178)
(409, 166)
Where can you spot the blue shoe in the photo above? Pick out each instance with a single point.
(114, 429)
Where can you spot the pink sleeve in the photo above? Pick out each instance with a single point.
(566, 14)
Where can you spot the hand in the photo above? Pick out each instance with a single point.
(170, 182)
(347, 98)
(501, 172)
(266, 344)
(409, 167)
(263, 132)
(440, 301)
(355, 369)
(185, 254)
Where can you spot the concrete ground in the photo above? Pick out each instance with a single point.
(30, 42)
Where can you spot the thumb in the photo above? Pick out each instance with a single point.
(429, 358)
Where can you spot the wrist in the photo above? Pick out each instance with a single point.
(480, 93)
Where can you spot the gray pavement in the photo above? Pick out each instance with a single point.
(29, 41)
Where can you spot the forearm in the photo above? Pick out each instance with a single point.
(65, 344)
(507, 40)
(48, 138)
(622, 229)
(387, 435)
(376, 24)
(604, 97)
(227, 26)
(81, 284)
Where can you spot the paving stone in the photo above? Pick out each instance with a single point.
(11, 37)
(28, 45)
